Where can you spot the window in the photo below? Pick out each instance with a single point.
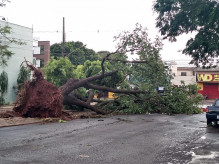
(41, 63)
(183, 74)
(41, 49)
(34, 62)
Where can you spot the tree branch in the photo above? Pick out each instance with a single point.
(103, 88)
(90, 97)
(72, 84)
(71, 100)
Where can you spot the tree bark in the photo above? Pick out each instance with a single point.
(68, 100)
(72, 84)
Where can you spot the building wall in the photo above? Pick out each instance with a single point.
(188, 72)
(174, 69)
(23, 34)
(44, 53)
(188, 79)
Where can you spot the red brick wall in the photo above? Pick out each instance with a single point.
(46, 55)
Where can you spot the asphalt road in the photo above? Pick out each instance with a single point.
(138, 139)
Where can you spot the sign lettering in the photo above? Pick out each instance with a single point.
(207, 77)
(216, 78)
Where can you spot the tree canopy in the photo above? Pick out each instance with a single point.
(177, 17)
(5, 54)
(75, 51)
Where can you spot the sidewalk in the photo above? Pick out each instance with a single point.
(206, 103)
(6, 108)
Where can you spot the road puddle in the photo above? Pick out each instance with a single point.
(203, 137)
(198, 158)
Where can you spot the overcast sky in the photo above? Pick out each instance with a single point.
(93, 22)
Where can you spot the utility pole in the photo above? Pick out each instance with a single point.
(63, 39)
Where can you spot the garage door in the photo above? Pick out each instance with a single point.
(211, 90)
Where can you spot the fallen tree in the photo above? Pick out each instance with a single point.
(133, 82)
(40, 98)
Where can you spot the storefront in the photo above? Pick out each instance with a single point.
(208, 84)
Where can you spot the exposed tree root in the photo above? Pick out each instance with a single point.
(39, 98)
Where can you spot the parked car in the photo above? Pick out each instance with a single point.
(212, 113)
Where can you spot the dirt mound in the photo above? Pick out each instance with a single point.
(39, 98)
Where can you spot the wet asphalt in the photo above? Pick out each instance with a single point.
(138, 139)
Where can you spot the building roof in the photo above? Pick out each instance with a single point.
(199, 69)
(9, 23)
(186, 68)
(207, 69)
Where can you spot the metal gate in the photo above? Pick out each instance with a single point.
(211, 90)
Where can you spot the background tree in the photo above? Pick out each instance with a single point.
(199, 16)
(5, 53)
(3, 86)
(102, 54)
(23, 76)
(59, 70)
(75, 51)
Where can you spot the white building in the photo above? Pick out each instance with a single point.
(181, 72)
(23, 34)
(186, 74)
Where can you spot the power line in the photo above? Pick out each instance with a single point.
(19, 39)
(47, 31)
(96, 31)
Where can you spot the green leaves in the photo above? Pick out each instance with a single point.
(23, 76)
(59, 71)
(3, 86)
(183, 16)
(5, 54)
(91, 68)
(3, 82)
(183, 99)
(75, 51)
(149, 75)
